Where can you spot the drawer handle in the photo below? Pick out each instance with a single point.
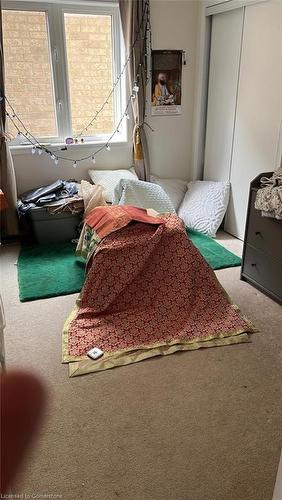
(257, 233)
(253, 265)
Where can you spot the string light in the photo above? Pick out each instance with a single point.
(92, 155)
(41, 148)
(33, 150)
(145, 17)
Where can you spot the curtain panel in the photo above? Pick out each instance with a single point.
(135, 21)
(8, 216)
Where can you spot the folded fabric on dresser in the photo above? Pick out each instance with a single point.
(269, 196)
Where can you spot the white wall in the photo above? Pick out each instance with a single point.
(33, 171)
(174, 26)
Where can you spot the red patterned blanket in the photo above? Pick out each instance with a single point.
(147, 286)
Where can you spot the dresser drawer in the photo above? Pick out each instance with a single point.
(264, 270)
(264, 233)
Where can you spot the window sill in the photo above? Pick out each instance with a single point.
(19, 149)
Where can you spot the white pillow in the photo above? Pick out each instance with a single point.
(174, 188)
(142, 194)
(204, 205)
(109, 179)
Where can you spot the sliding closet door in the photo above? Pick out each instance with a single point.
(226, 37)
(259, 107)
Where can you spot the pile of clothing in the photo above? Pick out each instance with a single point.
(269, 196)
(62, 196)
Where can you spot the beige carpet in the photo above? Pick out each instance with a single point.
(200, 425)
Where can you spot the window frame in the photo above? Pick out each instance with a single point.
(55, 11)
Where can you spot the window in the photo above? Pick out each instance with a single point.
(28, 73)
(89, 56)
(61, 61)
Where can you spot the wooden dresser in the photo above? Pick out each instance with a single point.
(262, 254)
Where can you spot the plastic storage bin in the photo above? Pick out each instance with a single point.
(48, 228)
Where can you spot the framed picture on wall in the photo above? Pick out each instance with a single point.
(166, 82)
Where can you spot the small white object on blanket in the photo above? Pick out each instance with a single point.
(174, 188)
(142, 195)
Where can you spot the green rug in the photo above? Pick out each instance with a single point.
(215, 254)
(51, 270)
(48, 271)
